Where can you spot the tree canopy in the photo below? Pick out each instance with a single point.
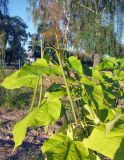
(17, 36)
(4, 6)
(93, 26)
(13, 36)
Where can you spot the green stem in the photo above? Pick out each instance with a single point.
(33, 99)
(41, 80)
(41, 91)
(65, 81)
(41, 43)
(67, 87)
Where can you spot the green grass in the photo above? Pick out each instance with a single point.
(19, 98)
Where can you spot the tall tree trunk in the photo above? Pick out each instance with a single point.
(97, 59)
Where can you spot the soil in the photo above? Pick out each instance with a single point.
(35, 137)
(31, 147)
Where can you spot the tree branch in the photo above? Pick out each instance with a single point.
(86, 7)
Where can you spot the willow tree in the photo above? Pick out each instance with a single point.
(52, 19)
(93, 26)
(98, 24)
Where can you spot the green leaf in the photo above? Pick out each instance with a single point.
(121, 63)
(97, 75)
(108, 77)
(92, 114)
(39, 67)
(88, 81)
(72, 80)
(93, 156)
(111, 115)
(56, 87)
(97, 96)
(109, 126)
(119, 74)
(29, 74)
(58, 94)
(94, 95)
(61, 147)
(110, 59)
(109, 97)
(20, 128)
(87, 70)
(41, 61)
(48, 113)
(76, 64)
(105, 65)
(12, 81)
(56, 70)
(117, 132)
(111, 147)
(55, 91)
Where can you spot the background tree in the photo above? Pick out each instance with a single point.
(50, 17)
(96, 25)
(3, 23)
(17, 36)
(4, 6)
(34, 46)
(93, 26)
(13, 35)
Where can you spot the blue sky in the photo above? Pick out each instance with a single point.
(18, 8)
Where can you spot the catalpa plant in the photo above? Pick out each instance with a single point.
(94, 123)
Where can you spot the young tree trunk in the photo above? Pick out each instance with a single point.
(97, 59)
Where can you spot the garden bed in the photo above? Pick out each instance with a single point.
(31, 147)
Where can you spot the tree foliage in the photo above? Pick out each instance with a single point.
(13, 36)
(3, 23)
(4, 6)
(93, 26)
(17, 36)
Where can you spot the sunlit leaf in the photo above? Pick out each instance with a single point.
(111, 147)
(12, 81)
(48, 113)
(76, 64)
(92, 114)
(105, 65)
(94, 95)
(29, 74)
(61, 147)
(109, 126)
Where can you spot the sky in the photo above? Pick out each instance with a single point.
(18, 8)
